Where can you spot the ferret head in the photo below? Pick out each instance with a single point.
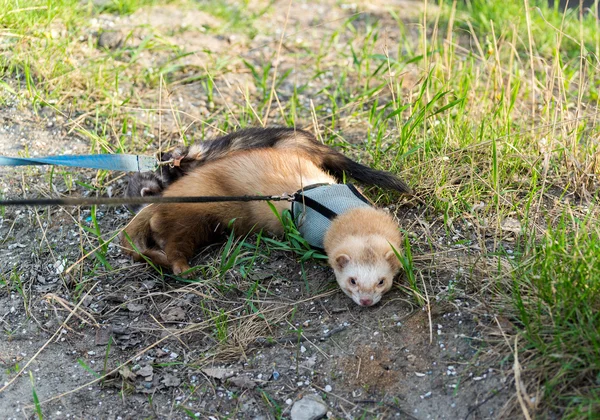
(365, 268)
(142, 184)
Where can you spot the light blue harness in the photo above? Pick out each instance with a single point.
(314, 208)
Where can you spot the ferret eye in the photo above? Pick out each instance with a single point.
(381, 282)
(352, 281)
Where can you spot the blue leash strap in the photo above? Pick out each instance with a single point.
(117, 162)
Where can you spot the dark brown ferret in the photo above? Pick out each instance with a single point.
(323, 156)
(358, 242)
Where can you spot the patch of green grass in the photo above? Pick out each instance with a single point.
(235, 15)
(294, 242)
(545, 24)
(221, 326)
(87, 78)
(557, 293)
(263, 80)
(123, 7)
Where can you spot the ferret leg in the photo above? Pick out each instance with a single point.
(177, 260)
(183, 244)
(157, 257)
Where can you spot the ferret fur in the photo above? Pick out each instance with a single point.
(289, 139)
(358, 242)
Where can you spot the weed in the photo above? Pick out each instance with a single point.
(84, 365)
(231, 253)
(36, 401)
(294, 240)
(263, 80)
(221, 326)
(187, 411)
(273, 405)
(409, 269)
(12, 369)
(14, 283)
(100, 253)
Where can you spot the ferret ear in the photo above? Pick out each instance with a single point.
(341, 261)
(179, 152)
(164, 156)
(146, 191)
(392, 259)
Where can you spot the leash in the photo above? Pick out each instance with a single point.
(115, 162)
(116, 201)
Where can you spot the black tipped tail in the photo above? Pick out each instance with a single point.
(338, 164)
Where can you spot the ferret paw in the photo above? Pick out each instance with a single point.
(180, 267)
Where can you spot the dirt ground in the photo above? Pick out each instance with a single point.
(379, 362)
(162, 341)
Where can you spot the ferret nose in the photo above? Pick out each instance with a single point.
(366, 302)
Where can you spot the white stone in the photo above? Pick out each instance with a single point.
(310, 407)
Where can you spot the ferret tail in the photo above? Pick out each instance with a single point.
(337, 163)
